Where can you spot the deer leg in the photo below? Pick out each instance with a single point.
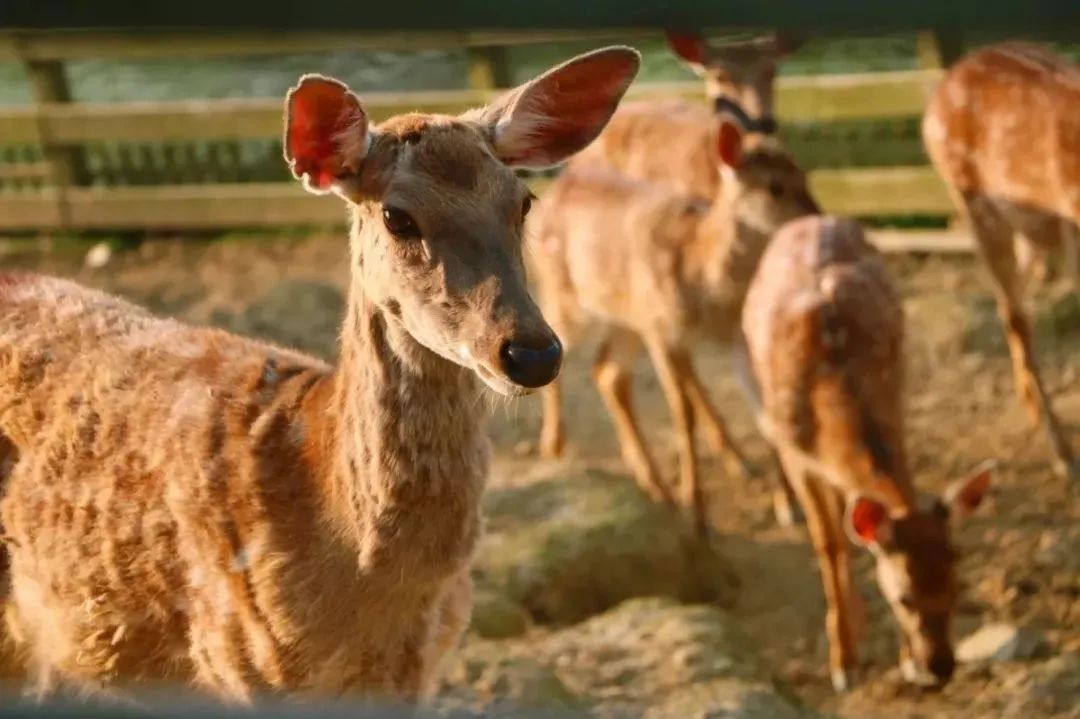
(708, 418)
(831, 553)
(552, 430)
(664, 358)
(612, 372)
(994, 238)
(1070, 249)
(785, 506)
(785, 503)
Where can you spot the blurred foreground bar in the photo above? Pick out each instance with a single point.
(550, 14)
(183, 706)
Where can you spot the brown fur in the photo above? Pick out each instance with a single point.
(189, 505)
(824, 332)
(1003, 130)
(659, 267)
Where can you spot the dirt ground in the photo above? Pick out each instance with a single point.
(1020, 552)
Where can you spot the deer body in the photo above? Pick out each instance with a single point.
(1003, 130)
(186, 499)
(677, 272)
(824, 335)
(188, 505)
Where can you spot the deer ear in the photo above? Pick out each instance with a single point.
(691, 49)
(868, 523)
(729, 143)
(548, 119)
(965, 495)
(326, 132)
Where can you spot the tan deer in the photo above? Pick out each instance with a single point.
(671, 141)
(1003, 130)
(824, 333)
(190, 505)
(658, 268)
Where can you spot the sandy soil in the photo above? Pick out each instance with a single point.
(1020, 553)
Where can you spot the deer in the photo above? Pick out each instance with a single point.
(678, 272)
(191, 505)
(671, 140)
(821, 358)
(1003, 131)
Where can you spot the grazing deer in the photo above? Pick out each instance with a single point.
(823, 330)
(671, 141)
(1003, 130)
(678, 268)
(187, 504)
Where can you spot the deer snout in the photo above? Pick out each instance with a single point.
(532, 363)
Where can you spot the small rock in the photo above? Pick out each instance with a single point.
(1000, 642)
(524, 448)
(1054, 549)
(98, 256)
(496, 617)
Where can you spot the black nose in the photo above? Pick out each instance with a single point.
(531, 366)
(942, 666)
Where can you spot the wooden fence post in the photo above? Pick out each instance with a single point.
(488, 68)
(48, 84)
(938, 48)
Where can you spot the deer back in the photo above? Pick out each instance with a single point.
(1005, 123)
(824, 329)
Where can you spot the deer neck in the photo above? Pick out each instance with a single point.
(406, 456)
(726, 252)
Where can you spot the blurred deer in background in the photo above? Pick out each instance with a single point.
(659, 268)
(823, 360)
(187, 505)
(1003, 130)
(671, 141)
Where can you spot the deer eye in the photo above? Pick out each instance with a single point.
(526, 205)
(400, 223)
(776, 189)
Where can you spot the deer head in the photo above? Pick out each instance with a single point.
(438, 210)
(761, 184)
(916, 570)
(739, 72)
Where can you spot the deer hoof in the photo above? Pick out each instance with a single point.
(841, 680)
(787, 514)
(1067, 469)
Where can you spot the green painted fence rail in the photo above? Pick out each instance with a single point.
(194, 165)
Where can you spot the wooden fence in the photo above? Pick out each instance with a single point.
(51, 183)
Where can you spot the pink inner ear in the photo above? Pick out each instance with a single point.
(689, 47)
(729, 144)
(576, 102)
(866, 517)
(320, 111)
(972, 492)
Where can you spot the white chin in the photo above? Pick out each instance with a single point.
(499, 384)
